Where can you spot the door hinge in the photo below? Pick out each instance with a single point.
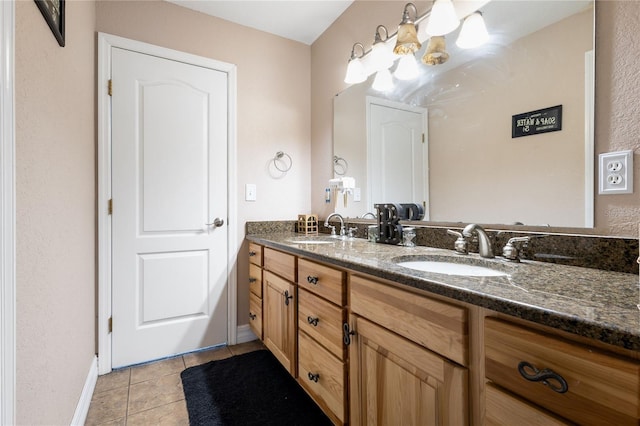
(110, 88)
(423, 138)
(110, 324)
(110, 206)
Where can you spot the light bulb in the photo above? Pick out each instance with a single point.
(381, 57)
(443, 18)
(383, 81)
(355, 72)
(407, 68)
(473, 33)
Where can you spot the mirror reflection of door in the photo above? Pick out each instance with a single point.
(397, 146)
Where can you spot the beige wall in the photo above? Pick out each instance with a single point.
(617, 91)
(55, 203)
(56, 171)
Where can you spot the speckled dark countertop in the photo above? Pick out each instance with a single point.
(597, 304)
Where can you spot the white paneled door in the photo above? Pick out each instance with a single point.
(169, 222)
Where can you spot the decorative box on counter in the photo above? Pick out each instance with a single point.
(308, 224)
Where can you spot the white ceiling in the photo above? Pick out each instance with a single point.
(301, 20)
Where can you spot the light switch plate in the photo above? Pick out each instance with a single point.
(250, 192)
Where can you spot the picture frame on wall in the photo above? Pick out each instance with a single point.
(53, 13)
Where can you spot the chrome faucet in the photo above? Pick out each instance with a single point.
(343, 231)
(484, 244)
(373, 216)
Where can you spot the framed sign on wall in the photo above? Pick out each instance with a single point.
(53, 12)
(536, 122)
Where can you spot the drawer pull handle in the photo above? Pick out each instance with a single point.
(287, 297)
(252, 280)
(548, 377)
(347, 333)
(252, 253)
(252, 316)
(313, 321)
(313, 377)
(312, 280)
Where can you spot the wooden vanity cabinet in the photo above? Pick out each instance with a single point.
(578, 383)
(322, 363)
(407, 357)
(255, 289)
(279, 298)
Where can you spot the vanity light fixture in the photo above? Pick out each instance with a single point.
(473, 32)
(443, 18)
(381, 56)
(407, 42)
(407, 68)
(355, 70)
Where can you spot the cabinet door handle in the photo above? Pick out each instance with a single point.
(548, 377)
(313, 321)
(287, 297)
(252, 316)
(252, 253)
(252, 280)
(313, 377)
(347, 333)
(312, 280)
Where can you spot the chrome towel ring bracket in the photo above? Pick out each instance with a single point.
(282, 161)
(340, 166)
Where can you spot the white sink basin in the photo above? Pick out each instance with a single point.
(451, 268)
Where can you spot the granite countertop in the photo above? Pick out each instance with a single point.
(597, 304)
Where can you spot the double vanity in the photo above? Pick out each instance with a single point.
(382, 334)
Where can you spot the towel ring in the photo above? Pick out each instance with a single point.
(279, 158)
(340, 165)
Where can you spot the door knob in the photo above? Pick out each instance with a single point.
(217, 222)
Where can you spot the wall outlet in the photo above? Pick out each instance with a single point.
(616, 172)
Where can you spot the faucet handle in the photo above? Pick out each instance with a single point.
(333, 228)
(351, 231)
(510, 251)
(461, 245)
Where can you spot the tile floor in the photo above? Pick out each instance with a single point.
(151, 394)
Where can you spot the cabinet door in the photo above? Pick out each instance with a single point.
(279, 319)
(394, 381)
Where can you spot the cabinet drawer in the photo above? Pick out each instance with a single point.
(255, 280)
(323, 376)
(502, 408)
(602, 388)
(280, 263)
(322, 280)
(255, 254)
(322, 321)
(436, 325)
(255, 315)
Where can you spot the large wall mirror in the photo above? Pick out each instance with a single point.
(467, 167)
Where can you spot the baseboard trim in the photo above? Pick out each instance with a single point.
(82, 409)
(244, 334)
